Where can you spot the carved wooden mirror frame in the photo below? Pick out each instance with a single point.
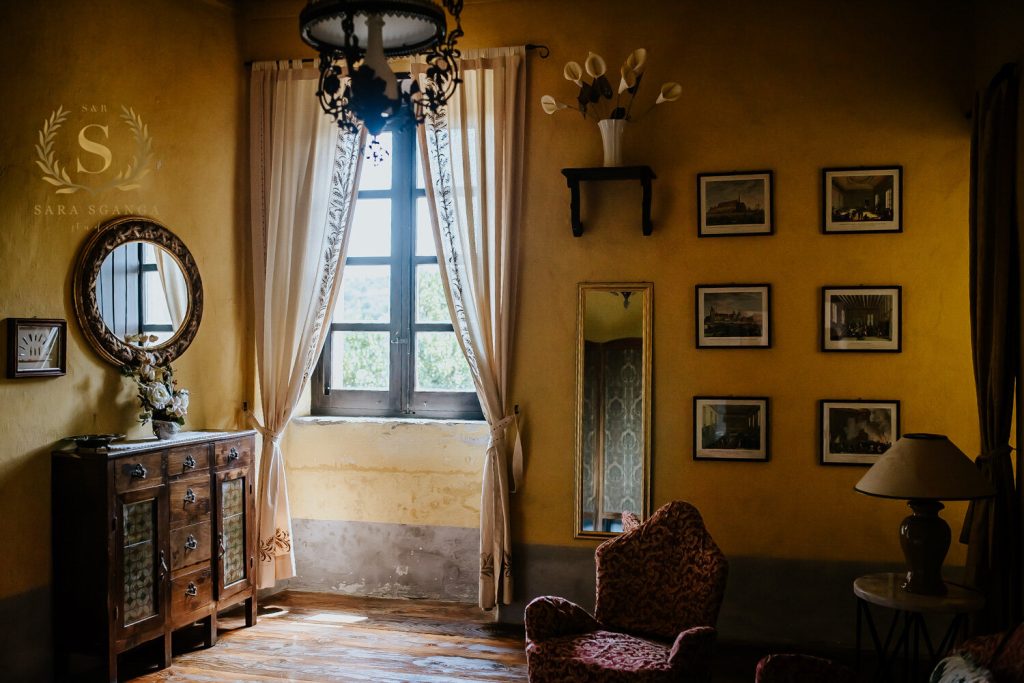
(103, 241)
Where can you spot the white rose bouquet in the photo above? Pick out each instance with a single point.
(158, 393)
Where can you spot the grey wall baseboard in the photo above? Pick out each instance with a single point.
(386, 560)
(25, 636)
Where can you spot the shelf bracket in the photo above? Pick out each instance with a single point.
(573, 177)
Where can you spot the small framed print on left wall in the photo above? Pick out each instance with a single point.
(36, 347)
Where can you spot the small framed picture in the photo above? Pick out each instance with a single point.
(36, 347)
(730, 428)
(735, 204)
(862, 199)
(862, 318)
(733, 316)
(856, 432)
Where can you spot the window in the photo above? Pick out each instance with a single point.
(131, 295)
(391, 349)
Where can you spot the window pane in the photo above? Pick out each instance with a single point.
(365, 295)
(360, 360)
(424, 233)
(371, 228)
(377, 176)
(440, 364)
(431, 306)
(154, 306)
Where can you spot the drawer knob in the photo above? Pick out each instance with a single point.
(190, 462)
(139, 472)
(191, 591)
(190, 496)
(232, 453)
(191, 543)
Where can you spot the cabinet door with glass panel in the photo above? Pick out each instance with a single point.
(141, 564)
(392, 350)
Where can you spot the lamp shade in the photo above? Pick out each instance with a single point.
(925, 467)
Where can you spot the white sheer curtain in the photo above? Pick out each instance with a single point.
(305, 174)
(175, 288)
(474, 163)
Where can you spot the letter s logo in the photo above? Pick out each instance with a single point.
(96, 148)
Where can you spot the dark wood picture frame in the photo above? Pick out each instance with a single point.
(831, 227)
(15, 344)
(763, 454)
(828, 345)
(763, 341)
(741, 229)
(853, 459)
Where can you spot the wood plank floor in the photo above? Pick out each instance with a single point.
(324, 637)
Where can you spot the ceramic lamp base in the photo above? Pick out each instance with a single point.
(924, 538)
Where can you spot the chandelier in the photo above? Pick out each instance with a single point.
(355, 38)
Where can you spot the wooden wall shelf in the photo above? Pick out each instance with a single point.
(573, 176)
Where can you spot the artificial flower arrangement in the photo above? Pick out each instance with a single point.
(595, 96)
(158, 393)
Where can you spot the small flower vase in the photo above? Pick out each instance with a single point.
(165, 430)
(611, 139)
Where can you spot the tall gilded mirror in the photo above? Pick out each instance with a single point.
(613, 404)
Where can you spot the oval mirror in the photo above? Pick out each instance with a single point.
(136, 284)
(613, 405)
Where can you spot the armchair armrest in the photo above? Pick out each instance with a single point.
(691, 653)
(801, 669)
(549, 617)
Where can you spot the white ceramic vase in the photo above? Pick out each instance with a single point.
(165, 430)
(611, 138)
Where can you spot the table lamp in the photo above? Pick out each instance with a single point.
(924, 469)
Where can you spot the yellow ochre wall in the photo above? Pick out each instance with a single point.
(178, 65)
(785, 86)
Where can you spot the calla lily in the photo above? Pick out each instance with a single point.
(629, 79)
(637, 61)
(595, 65)
(573, 72)
(550, 105)
(670, 92)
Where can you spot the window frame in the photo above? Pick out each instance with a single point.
(401, 398)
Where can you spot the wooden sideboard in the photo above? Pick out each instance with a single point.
(149, 537)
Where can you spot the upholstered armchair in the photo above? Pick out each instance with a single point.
(659, 588)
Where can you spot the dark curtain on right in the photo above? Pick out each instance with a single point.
(991, 528)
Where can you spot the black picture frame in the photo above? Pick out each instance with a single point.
(845, 458)
(31, 341)
(761, 454)
(705, 341)
(833, 335)
(879, 204)
(738, 229)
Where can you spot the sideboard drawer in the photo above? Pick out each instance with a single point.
(185, 461)
(190, 501)
(138, 472)
(189, 545)
(235, 453)
(191, 593)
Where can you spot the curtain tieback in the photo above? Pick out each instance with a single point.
(498, 434)
(273, 437)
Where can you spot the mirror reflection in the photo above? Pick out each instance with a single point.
(613, 399)
(141, 290)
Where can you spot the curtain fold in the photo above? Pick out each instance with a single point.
(175, 288)
(305, 174)
(992, 525)
(473, 162)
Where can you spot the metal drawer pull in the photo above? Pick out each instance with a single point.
(190, 462)
(232, 453)
(190, 496)
(191, 543)
(139, 472)
(191, 591)
(163, 565)
(220, 544)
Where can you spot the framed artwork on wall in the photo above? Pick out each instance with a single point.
(733, 316)
(735, 204)
(862, 318)
(862, 200)
(36, 347)
(730, 428)
(856, 431)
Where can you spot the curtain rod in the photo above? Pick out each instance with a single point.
(543, 51)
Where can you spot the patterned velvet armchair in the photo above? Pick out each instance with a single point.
(659, 588)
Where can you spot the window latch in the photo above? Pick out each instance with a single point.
(398, 339)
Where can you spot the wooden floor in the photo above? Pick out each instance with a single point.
(325, 637)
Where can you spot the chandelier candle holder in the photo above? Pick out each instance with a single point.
(355, 39)
(609, 108)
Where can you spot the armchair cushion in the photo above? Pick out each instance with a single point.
(599, 656)
(549, 617)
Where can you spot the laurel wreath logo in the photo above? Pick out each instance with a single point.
(126, 179)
